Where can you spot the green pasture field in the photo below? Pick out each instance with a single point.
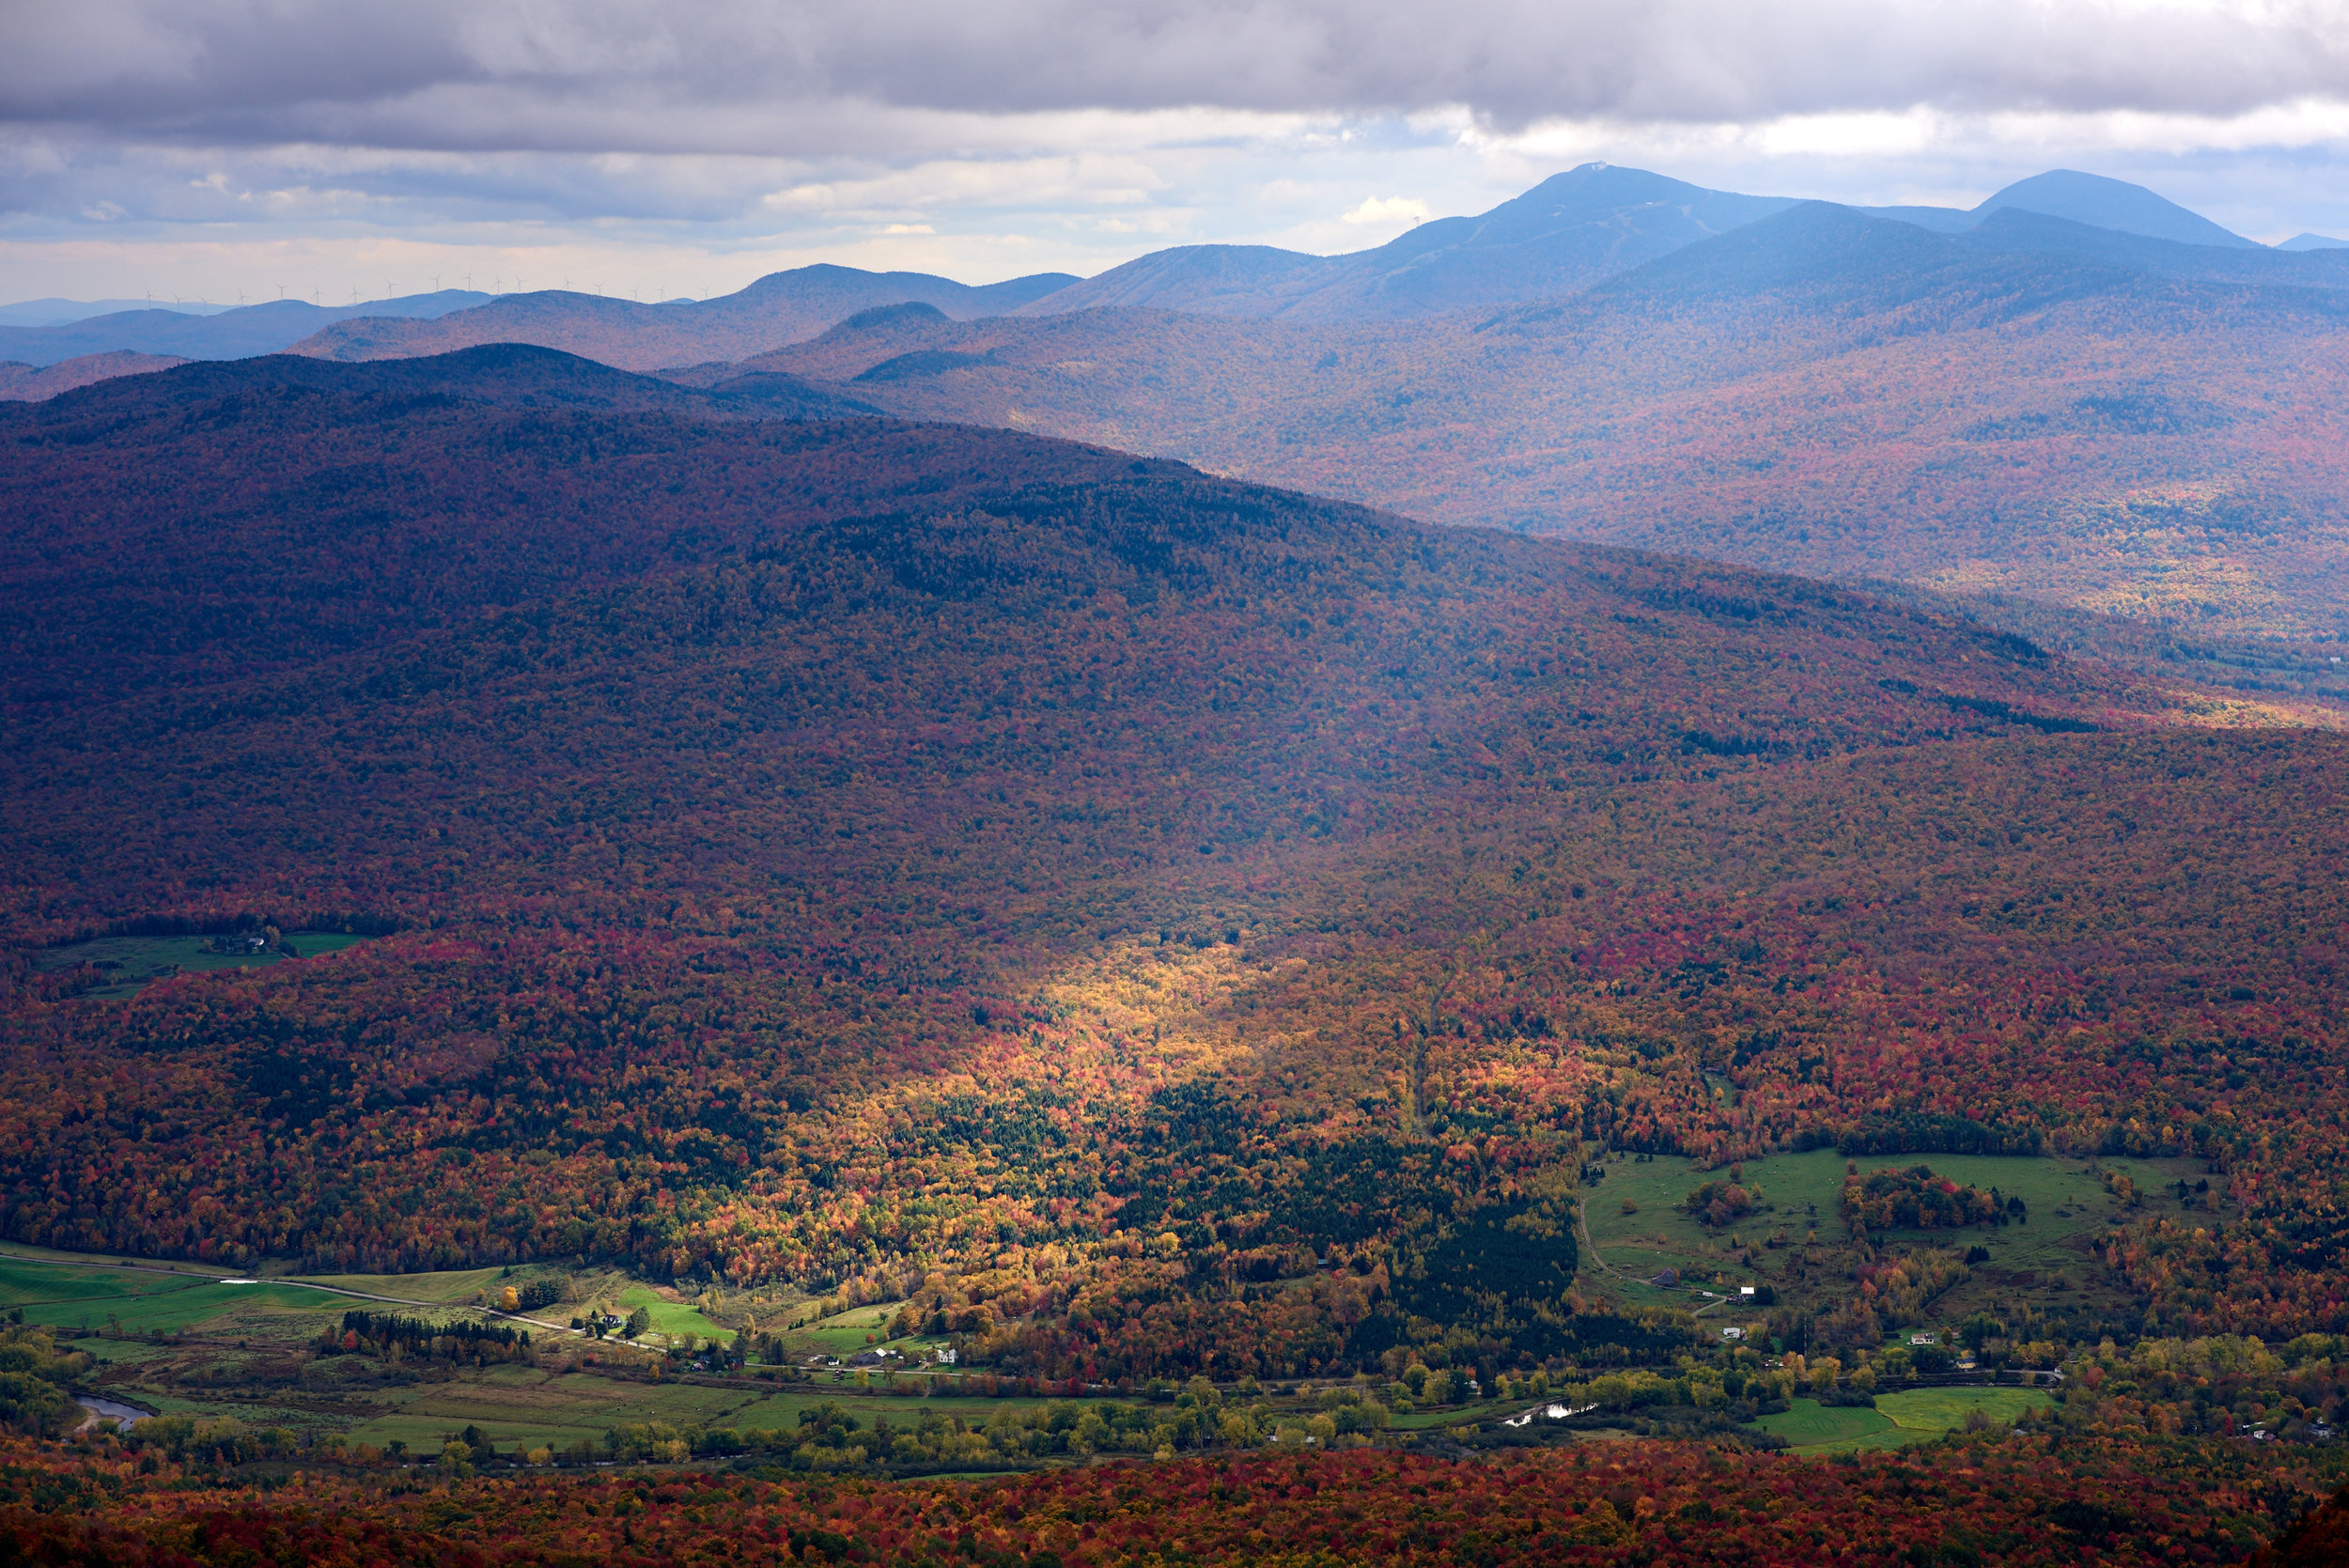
(2065, 1199)
(845, 1333)
(70, 1295)
(1426, 1417)
(528, 1406)
(780, 1410)
(1812, 1425)
(425, 1290)
(73, 1294)
(1929, 1411)
(670, 1320)
(140, 961)
(523, 1404)
(214, 1310)
(36, 1286)
(1914, 1416)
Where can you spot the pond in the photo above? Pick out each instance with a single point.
(109, 1410)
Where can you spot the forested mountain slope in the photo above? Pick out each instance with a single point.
(2020, 229)
(1073, 891)
(1818, 392)
(22, 382)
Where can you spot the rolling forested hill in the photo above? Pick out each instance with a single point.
(1816, 392)
(256, 328)
(779, 308)
(1149, 920)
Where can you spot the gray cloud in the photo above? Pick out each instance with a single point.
(240, 144)
(628, 75)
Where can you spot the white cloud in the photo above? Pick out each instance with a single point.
(1387, 210)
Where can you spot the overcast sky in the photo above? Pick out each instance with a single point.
(327, 149)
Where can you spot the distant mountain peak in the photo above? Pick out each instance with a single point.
(1614, 181)
(1576, 229)
(2102, 202)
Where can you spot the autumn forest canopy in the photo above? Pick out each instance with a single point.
(1148, 932)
